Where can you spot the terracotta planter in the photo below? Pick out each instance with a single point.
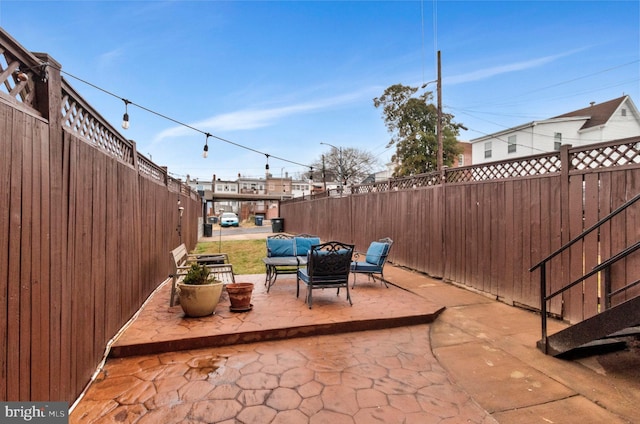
(240, 296)
(199, 300)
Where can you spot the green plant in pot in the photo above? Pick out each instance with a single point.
(199, 291)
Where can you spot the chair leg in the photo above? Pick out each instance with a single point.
(383, 280)
(309, 296)
(172, 300)
(297, 287)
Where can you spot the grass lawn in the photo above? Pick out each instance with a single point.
(245, 255)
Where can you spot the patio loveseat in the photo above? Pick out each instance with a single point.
(286, 254)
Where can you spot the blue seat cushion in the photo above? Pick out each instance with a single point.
(302, 274)
(303, 244)
(280, 247)
(365, 267)
(376, 253)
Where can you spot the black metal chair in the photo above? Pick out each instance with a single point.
(374, 260)
(328, 266)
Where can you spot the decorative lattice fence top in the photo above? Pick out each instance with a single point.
(625, 152)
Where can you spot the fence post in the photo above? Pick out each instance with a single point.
(134, 156)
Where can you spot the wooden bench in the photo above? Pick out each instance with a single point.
(181, 259)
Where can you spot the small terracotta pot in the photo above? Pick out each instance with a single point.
(240, 296)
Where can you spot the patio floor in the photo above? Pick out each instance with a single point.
(395, 356)
(276, 315)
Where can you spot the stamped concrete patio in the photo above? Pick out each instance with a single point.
(395, 356)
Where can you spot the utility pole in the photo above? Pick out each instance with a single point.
(440, 162)
(324, 176)
(439, 153)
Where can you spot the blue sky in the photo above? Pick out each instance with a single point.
(280, 77)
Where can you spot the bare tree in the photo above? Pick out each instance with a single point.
(348, 165)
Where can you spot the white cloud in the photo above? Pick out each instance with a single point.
(105, 60)
(249, 119)
(504, 69)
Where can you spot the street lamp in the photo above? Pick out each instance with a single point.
(340, 170)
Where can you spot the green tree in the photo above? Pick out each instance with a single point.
(412, 123)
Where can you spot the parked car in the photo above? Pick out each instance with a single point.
(229, 219)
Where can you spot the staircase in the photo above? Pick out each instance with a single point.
(599, 330)
(622, 319)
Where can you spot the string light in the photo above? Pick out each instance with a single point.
(128, 102)
(125, 117)
(205, 152)
(266, 167)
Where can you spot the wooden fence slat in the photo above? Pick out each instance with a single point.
(474, 269)
(99, 270)
(6, 128)
(531, 288)
(14, 291)
(555, 241)
(40, 365)
(619, 225)
(592, 289)
(573, 297)
(511, 267)
(633, 220)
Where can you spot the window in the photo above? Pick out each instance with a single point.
(557, 141)
(623, 112)
(511, 144)
(460, 160)
(487, 150)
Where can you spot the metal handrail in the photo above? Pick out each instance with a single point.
(600, 267)
(603, 266)
(587, 231)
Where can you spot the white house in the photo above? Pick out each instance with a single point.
(611, 120)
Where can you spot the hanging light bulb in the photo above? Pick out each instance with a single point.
(205, 151)
(21, 76)
(125, 117)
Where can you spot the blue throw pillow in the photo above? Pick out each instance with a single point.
(303, 244)
(280, 247)
(376, 253)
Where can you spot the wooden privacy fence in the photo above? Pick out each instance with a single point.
(86, 226)
(486, 225)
